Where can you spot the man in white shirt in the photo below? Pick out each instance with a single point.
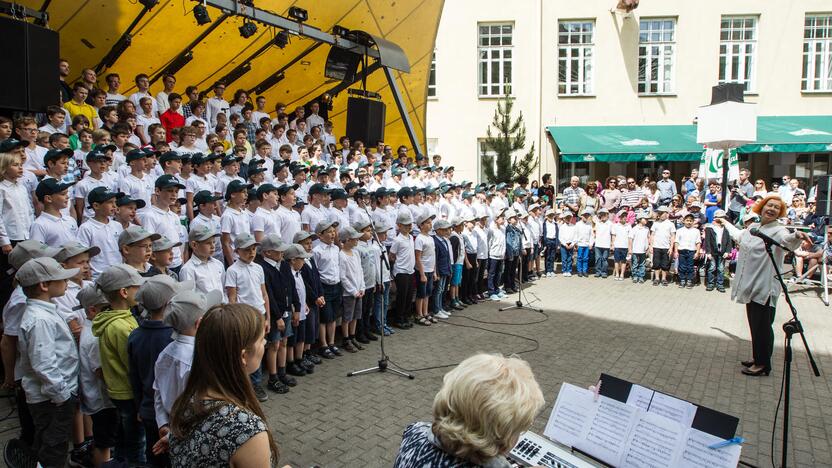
(143, 83)
(113, 96)
(216, 105)
(160, 219)
(260, 110)
(162, 104)
(313, 119)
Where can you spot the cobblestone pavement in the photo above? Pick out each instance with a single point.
(686, 343)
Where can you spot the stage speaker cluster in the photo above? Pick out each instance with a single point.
(29, 65)
(365, 120)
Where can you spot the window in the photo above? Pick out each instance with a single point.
(432, 77)
(809, 167)
(737, 49)
(481, 152)
(817, 53)
(656, 50)
(575, 47)
(495, 49)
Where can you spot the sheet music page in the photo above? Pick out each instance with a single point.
(654, 441)
(606, 435)
(673, 408)
(571, 414)
(695, 452)
(640, 397)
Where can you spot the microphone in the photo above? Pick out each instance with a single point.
(768, 240)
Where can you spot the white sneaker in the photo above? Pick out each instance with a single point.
(567, 274)
(494, 297)
(441, 315)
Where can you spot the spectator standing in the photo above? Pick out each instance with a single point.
(611, 196)
(667, 188)
(572, 195)
(216, 105)
(143, 83)
(632, 195)
(741, 194)
(162, 101)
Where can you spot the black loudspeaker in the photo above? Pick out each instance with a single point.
(29, 65)
(728, 92)
(341, 64)
(365, 120)
(823, 196)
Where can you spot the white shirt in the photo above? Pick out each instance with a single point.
(138, 95)
(137, 188)
(326, 258)
(621, 232)
(248, 278)
(583, 233)
(352, 276)
(687, 238)
(265, 221)
(207, 275)
(567, 233)
(214, 107)
(300, 287)
(34, 159)
(145, 122)
(173, 366)
(551, 229)
(87, 184)
(104, 236)
(662, 233)
(93, 392)
(496, 242)
(482, 242)
(640, 236)
(16, 214)
(196, 184)
(52, 230)
(214, 223)
(289, 223)
(603, 234)
(425, 245)
(403, 248)
(165, 223)
(163, 103)
(67, 303)
(222, 182)
(234, 222)
(312, 215)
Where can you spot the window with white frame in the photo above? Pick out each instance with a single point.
(495, 54)
(737, 51)
(817, 53)
(576, 42)
(482, 152)
(656, 55)
(432, 77)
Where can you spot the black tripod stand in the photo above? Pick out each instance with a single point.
(791, 328)
(519, 304)
(384, 361)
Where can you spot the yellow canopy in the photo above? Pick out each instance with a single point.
(89, 28)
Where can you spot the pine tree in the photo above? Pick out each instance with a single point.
(506, 138)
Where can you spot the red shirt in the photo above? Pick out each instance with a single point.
(171, 119)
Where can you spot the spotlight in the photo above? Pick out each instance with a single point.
(299, 14)
(340, 31)
(247, 30)
(268, 83)
(149, 4)
(201, 15)
(178, 63)
(281, 39)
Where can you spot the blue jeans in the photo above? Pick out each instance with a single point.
(601, 261)
(132, 442)
(686, 265)
(638, 266)
(716, 271)
(438, 292)
(551, 252)
(381, 303)
(256, 376)
(495, 272)
(565, 260)
(583, 259)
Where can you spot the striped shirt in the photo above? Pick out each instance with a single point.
(631, 198)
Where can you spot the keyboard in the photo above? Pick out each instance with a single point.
(534, 450)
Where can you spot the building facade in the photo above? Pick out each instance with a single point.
(583, 68)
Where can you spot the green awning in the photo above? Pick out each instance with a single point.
(792, 134)
(627, 143)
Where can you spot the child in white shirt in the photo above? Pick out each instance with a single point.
(584, 240)
(568, 236)
(352, 286)
(603, 242)
(688, 241)
(620, 242)
(639, 243)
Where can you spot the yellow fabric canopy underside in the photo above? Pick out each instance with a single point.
(89, 28)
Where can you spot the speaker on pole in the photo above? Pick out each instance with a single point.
(823, 196)
(365, 120)
(30, 66)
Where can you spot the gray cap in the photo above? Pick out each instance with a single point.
(603, 211)
(158, 290)
(719, 214)
(441, 224)
(41, 270)
(348, 233)
(533, 206)
(29, 249)
(244, 241)
(404, 217)
(325, 224)
(360, 225)
(296, 251)
(186, 307)
(510, 213)
(89, 296)
(424, 217)
(117, 277)
(550, 212)
(273, 241)
(302, 236)
(202, 233)
(663, 209)
(381, 226)
(163, 243)
(135, 234)
(73, 248)
(456, 221)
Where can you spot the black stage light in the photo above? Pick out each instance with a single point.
(247, 30)
(178, 63)
(201, 15)
(149, 4)
(268, 83)
(340, 31)
(281, 39)
(298, 13)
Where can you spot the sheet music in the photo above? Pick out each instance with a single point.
(640, 397)
(573, 408)
(654, 441)
(695, 452)
(606, 435)
(672, 408)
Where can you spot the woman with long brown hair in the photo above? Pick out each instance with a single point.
(217, 421)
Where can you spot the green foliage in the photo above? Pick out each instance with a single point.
(504, 138)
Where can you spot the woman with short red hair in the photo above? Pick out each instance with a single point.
(755, 284)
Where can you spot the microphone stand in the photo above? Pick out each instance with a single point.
(384, 361)
(791, 328)
(518, 304)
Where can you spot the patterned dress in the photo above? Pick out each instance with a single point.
(420, 449)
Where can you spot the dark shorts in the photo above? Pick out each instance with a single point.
(312, 323)
(424, 290)
(300, 333)
(332, 296)
(276, 335)
(661, 259)
(620, 255)
(105, 428)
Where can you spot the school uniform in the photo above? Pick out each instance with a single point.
(289, 223)
(208, 275)
(603, 242)
(640, 239)
(87, 184)
(165, 223)
(234, 222)
(482, 259)
(567, 235)
(352, 283)
(280, 296)
(93, 399)
(424, 244)
(328, 263)
(314, 290)
(52, 230)
(296, 287)
(549, 236)
(469, 275)
(137, 188)
(687, 240)
(171, 371)
(247, 278)
(621, 241)
(105, 236)
(368, 255)
(584, 240)
(662, 232)
(312, 215)
(403, 249)
(496, 254)
(214, 223)
(264, 220)
(717, 243)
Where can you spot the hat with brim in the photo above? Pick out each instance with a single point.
(273, 242)
(456, 221)
(11, 144)
(73, 248)
(244, 241)
(204, 196)
(324, 225)
(188, 306)
(235, 186)
(170, 156)
(42, 270)
(361, 225)
(89, 296)
(167, 181)
(348, 232)
(163, 243)
(50, 186)
(117, 277)
(404, 218)
(134, 234)
(338, 194)
(101, 195)
(750, 217)
(284, 189)
(296, 251)
(29, 249)
(720, 214)
(202, 233)
(424, 217)
(96, 155)
(126, 200)
(134, 155)
(54, 154)
(441, 224)
(158, 290)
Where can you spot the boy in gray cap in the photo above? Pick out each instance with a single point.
(207, 272)
(161, 257)
(48, 359)
(135, 244)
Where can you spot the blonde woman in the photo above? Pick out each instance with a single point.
(483, 407)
